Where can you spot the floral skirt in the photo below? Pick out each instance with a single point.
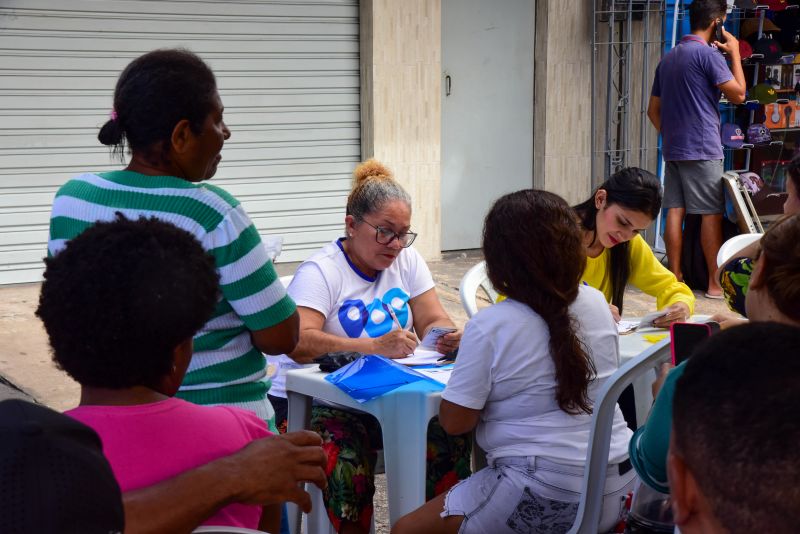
(352, 440)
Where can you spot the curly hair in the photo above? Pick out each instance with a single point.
(373, 186)
(121, 297)
(534, 255)
(154, 93)
(632, 188)
(781, 272)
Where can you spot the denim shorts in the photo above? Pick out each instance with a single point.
(532, 495)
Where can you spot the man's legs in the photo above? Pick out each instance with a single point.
(676, 210)
(711, 241)
(705, 196)
(673, 239)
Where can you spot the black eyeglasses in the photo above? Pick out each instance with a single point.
(384, 236)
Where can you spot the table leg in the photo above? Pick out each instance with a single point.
(299, 418)
(404, 450)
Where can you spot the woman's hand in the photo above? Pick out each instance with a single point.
(396, 344)
(614, 312)
(728, 319)
(676, 313)
(448, 342)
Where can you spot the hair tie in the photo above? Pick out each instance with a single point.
(113, 114)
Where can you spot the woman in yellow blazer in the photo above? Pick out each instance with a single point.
(612, 218)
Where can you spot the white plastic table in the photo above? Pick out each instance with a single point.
(632, 345)
(403, 414)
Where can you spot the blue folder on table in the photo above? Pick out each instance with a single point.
(372, 376)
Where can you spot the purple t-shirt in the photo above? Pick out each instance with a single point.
(686, 81)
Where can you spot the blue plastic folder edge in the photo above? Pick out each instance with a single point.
(371, 376)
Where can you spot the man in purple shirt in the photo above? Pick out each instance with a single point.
(684, 108)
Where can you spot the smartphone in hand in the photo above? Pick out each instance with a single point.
(718, 36)
(685, 337)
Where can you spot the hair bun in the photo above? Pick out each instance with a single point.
(371, 168)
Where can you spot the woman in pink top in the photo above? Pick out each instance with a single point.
(120, 305)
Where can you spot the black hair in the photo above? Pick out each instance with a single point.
(154, 93)
(121, 297)
(634, 189)
(525, 235)
(703, 12)
(736, 425)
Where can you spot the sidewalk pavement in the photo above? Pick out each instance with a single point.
(26, 364)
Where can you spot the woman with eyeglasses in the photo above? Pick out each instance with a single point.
(369, 292)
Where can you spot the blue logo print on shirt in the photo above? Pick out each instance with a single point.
(356, 317)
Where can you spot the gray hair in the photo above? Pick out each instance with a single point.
(373, 186)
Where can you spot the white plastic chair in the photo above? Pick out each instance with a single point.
(473, 280)
(734, 245)
(594, 476)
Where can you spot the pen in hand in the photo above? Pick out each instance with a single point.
(390, 311)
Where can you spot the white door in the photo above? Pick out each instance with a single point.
(487, 111)
(288, 74)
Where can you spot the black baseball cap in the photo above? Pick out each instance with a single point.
(53, 475)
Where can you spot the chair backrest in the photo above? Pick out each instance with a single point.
(594, 476)
(734, 245)
(286, 280)
(473, 280)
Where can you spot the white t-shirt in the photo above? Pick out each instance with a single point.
(504, 369)
(352, 302)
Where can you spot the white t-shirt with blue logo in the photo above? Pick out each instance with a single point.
(351, 302)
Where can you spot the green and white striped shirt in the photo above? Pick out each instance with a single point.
(226, 368)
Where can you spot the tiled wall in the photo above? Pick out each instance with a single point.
(562, 105)
(401, 103)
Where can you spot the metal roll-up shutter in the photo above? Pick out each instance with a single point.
(288, 74)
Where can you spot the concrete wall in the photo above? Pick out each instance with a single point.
(401, 103)
(562, 92)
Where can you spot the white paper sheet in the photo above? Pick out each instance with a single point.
(421, 356)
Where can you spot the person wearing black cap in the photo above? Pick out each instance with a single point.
(53, 475)
(684, 108)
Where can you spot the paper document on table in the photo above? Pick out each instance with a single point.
(647, 320)
(440, 375)
(421, 356)
(433, 335)
(626, 327)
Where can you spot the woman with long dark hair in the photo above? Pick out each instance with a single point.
(611, 220)
(526, 378)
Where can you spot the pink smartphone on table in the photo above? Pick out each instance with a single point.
(685, 337)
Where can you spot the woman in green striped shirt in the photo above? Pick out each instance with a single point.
(169, 115)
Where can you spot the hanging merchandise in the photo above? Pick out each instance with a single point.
(764, 93)
(732, 135)
(749, 28)
(758, 134)
(769, 48)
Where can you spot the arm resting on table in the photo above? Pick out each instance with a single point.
(314, 342)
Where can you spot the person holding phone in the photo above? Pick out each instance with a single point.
(611, 221)
(683, 107)
(774, 295)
